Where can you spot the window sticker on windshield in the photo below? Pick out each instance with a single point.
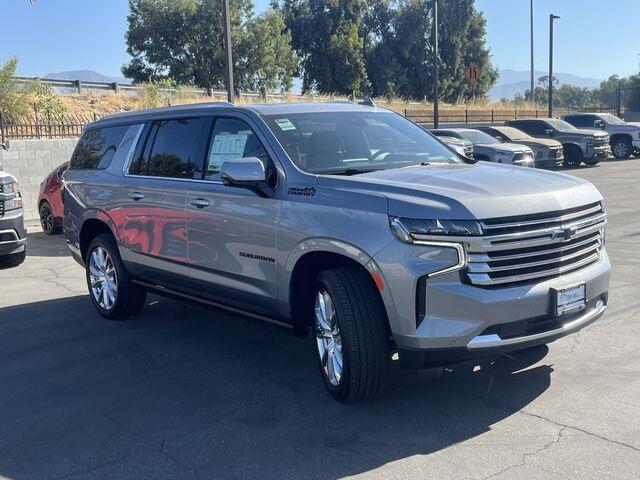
(285, 124)
(226, 147)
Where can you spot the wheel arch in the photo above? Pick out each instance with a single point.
(95, 223)
(306, 267)
(620, 136)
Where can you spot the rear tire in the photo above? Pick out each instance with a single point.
(48, 219)
(622, 148)
(572, 156)
(13, 260)
(111, 290)
(351, 335)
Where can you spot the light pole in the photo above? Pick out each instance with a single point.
(227, 47)
(552, 17)
(533, 91)
(436, 71)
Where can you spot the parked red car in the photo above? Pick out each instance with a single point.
(50, 201)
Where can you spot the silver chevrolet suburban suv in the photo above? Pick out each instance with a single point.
(346, 221)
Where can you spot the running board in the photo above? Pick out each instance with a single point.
(167, 291)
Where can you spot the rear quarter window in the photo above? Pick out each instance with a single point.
(96, 148)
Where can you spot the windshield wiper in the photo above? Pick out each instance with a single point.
(347, 171)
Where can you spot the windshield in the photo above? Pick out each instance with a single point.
(560, 125)
(477, 137)
(355, 142)
(513, 133)
(611, 119)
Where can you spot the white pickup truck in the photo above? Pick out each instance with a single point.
(625, 136)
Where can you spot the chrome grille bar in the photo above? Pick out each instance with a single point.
(536, 246)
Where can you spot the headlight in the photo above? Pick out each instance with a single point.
(12, 197)
(407, 228)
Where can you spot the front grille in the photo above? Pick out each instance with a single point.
(555, 152)
(538, 246)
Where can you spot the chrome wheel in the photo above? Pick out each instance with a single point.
(621, 150)
(328, 338)
(102, 274)
(46, 218)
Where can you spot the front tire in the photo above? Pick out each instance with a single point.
(622, 149)
(13, 260)
(572, 156)
(47, 219)
(111, 290)
(350, 335)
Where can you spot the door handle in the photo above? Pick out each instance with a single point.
(136, 196)
(200, 203)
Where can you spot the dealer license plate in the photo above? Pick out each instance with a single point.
(570, 299)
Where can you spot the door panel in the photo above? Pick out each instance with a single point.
(232, 231)
(153, 217)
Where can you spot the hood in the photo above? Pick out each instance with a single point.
(6, 178)
(538, 142)
(456, 141)
(585, 132)
(505, 147)
(470, 191)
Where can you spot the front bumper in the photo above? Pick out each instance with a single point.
(457, 320)
(598, 152)
(549, 162)
(13, 234)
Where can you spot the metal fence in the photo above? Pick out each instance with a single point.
(37, 126)
(25, 127)
(468, 116)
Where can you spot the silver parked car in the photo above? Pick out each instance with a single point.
(460, 145)
(487, 148)
(547, 152)
(13, 234)
(347, 222)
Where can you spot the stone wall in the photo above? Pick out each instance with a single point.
(30, 161)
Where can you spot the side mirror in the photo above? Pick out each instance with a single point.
(599, 124)
(249, 172)
(548, 132)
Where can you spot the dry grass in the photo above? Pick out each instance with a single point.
(101, 104)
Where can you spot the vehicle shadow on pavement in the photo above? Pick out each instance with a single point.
(187, 392)
(39, 244)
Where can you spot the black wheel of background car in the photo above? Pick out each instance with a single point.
(47, 219)
(13, 260)
(622, 148)
(572, 156)
(111, 290)
(350, 334)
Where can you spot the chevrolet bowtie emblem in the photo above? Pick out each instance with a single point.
(564, 232)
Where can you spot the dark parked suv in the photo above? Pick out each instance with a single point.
(346, 221)
(13, 234)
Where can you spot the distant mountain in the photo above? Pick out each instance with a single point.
(85, 76)
(512, 82)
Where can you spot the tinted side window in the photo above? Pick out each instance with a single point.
(532, 127)
(174, 148)
(96, 147)
(582, 121)
(231, 139)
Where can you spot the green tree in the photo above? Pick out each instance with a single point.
(399, 48)
(326, 36)
(271, 63)
(183, 40)
(12, 97)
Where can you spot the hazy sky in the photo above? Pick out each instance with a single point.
(594, 38)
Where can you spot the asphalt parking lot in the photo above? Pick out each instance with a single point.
(187, 392)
